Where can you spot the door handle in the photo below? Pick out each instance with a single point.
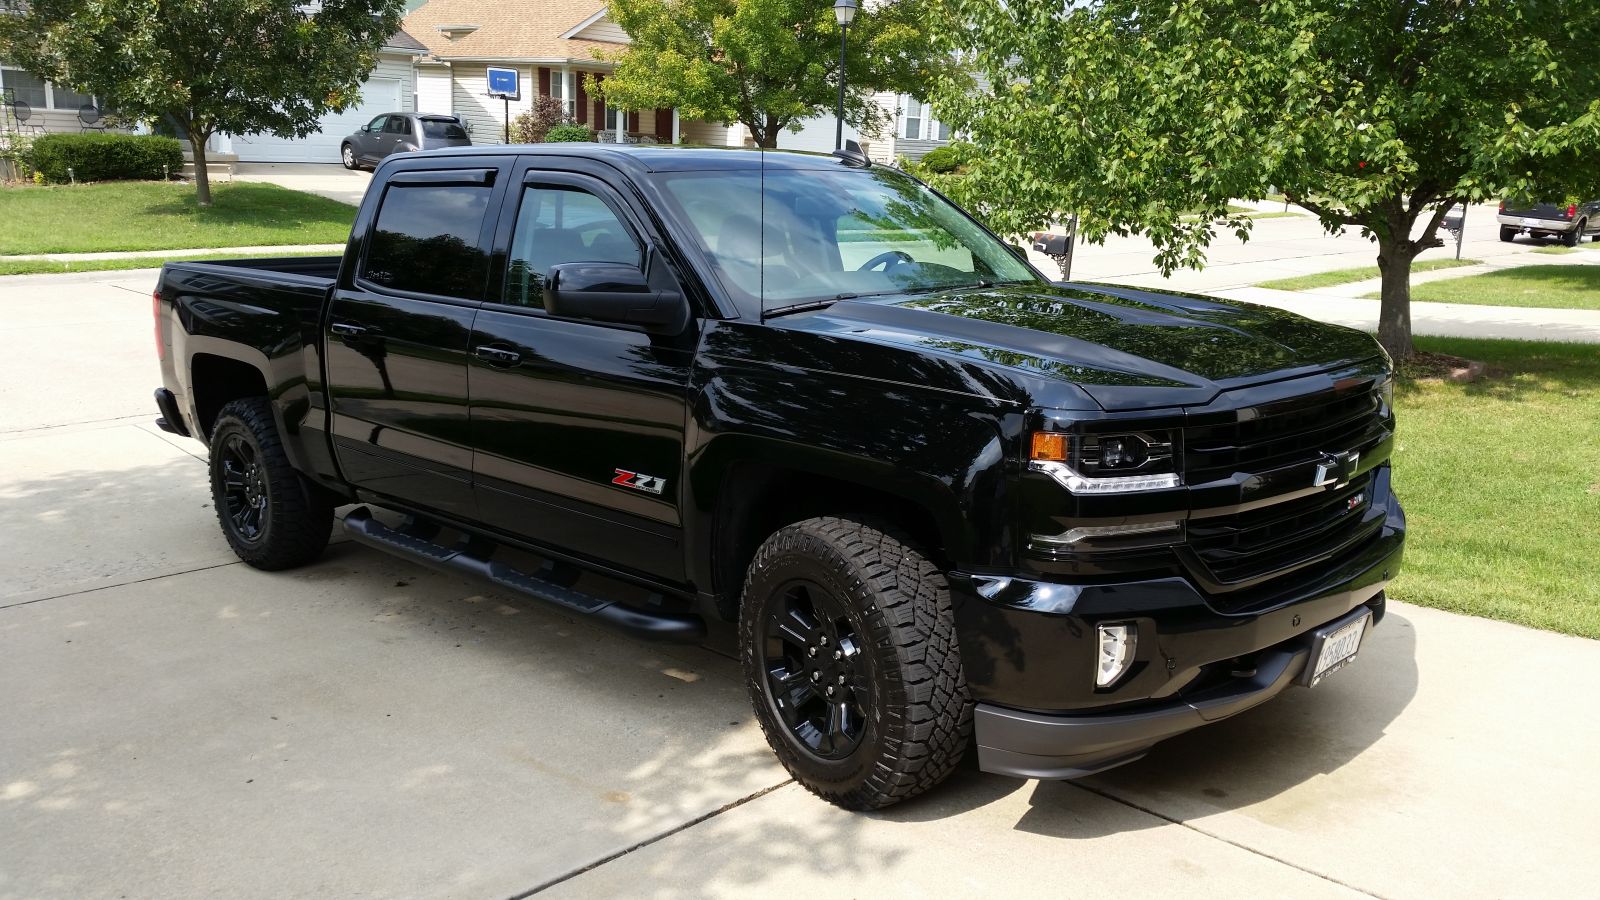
(345, 329)
(497, 356)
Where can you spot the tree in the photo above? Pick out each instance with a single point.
(207, 66)
(1374, 114)
(768, 64)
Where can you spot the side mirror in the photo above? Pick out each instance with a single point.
(617, 292)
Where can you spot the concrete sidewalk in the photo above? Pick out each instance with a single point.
(179, 725)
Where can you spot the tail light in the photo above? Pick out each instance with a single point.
(155, 312)
(1572, 210)
(1502, 206)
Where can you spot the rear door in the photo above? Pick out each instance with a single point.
(398, 327)
(578, 425)
(394, 135)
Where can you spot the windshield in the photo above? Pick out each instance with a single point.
(792, 237)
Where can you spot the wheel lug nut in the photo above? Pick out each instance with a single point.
(823, 640)
(838, 654)
(811, 651)
(841, 679)
(816, 676)
(830, 690)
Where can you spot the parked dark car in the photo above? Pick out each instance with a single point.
(1569, 222)
(803, 407)
(401, 133)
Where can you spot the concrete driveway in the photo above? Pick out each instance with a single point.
(174, 724)
(324, 179)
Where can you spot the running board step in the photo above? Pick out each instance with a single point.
(675, 628)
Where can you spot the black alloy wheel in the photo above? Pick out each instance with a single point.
(244, 488)
(850, 658)
(272, 518)
(816, 674)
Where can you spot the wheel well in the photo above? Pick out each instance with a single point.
(217, 380)
(759, 500)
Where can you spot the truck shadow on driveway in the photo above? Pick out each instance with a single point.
(1229, 765)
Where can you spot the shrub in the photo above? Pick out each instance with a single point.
(103, 157)
(532, 126)
(568, 133)
(943, 160)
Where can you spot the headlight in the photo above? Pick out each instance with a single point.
(1117, 643)
(1386, 394)
(1106, 463)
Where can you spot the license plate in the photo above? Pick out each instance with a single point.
(1535, 222)
(1336, 648)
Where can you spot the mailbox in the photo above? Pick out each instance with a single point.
(1052, 244)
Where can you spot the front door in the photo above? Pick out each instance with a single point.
(398, 334)
(578, 425)
(368, 141)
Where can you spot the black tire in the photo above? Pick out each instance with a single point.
(1507, 234)
(886, 670)
(347, 157)
(270, 516)
(1571, 238)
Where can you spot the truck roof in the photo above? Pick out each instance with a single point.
(651, 157)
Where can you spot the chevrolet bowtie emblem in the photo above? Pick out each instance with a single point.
(1335, 468)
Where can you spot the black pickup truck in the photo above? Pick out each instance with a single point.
(804, 405)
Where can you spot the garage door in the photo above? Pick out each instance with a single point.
(378, 95)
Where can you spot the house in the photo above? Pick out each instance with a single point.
(553, 45)
(392, 87)
(33, 104)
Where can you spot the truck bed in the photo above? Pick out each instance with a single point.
(319, 267)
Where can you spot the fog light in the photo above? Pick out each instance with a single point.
(1117, 643)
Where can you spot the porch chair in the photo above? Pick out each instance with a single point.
(22, 113)
(89, 118)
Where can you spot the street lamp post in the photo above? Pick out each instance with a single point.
(844, 11)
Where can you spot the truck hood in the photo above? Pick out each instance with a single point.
(1126, 348)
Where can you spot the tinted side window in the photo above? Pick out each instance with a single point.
(426, 240)
(559, 225)
(397, 125)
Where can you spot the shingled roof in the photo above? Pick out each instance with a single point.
(528, 30)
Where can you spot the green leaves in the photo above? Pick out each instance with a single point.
(767, 63)
(235, 66)
(1370, 113)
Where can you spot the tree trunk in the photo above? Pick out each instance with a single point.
(202, 178)
(1394, 309)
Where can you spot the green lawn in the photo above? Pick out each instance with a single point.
(1556, 249)
(1501, 484)
(1364, 273)
(50, 267)
(1555, 287)
(153, 215)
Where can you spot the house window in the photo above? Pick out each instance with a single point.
(913, 128)
(562, 87)
(942, 131)
(613, 116)
(25, 87)
(68, 99)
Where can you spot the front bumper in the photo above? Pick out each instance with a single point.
(1028, 652)
(1034, 745)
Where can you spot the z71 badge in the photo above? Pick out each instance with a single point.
(650, 484)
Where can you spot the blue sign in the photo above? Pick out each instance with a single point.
(503, 83)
